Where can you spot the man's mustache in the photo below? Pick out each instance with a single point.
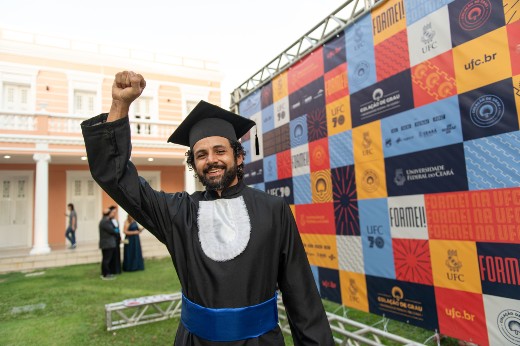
(210, 167)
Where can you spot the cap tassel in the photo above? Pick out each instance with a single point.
(257, 145)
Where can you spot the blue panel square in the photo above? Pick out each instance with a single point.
(268, 118)
(302, 189)
(270, 168)
(340, 149)
(298, 134)
(376, 238)
(493, 162)
(247, 147)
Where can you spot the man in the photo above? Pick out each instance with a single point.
(232, 246)
(70, 232)
(108, 243)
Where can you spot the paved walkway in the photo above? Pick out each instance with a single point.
(21, 259)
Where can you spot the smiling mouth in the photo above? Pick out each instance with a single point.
(214, 172)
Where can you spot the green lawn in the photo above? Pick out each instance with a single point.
(68, 307)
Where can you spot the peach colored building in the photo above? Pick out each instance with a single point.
(48, 86)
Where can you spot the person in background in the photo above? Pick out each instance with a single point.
(70, 232)
(108, 242)
(115, 265)
(132, 255)
(232, 246)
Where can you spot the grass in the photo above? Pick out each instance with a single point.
(69, 307)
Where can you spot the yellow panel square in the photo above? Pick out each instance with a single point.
(321, 250)
(280, 86)
(388, 19)
(367, 142)
(338, 116)
(482, 61)
(371, 179)
(353, 290)
(455, 265)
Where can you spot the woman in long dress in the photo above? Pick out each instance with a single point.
(133, 256)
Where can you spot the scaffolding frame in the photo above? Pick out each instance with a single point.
(334, 23)
(134, 312)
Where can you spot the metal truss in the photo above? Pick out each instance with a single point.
(345, 15)
(133, 312)
(351, 333)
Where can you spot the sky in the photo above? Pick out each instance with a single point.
(242, 36)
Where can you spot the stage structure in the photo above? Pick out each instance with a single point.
(392, 130)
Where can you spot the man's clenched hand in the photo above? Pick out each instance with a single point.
(127, 86)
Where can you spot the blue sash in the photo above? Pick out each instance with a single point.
(229, 324)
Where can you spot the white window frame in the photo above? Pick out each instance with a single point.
(152, 92)
(192, 94)
(85, 82)
(19, 75)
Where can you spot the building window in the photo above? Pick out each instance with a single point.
(84, 102)
(190, 105)
(16, 96)
(142, 111)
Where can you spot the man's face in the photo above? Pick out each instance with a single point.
(215, 163)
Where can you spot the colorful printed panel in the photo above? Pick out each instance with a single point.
(396, 145)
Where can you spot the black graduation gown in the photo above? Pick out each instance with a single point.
(273, 258)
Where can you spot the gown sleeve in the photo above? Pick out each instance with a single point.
(304, 308)
(109, 148)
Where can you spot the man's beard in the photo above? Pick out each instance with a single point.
(225, 180)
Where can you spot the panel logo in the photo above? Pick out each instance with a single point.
(475, 14)
(281, 112)
(428, 38)
(388, 20)
(508, 322)
(336, 85)
(432, 172)
(338, 116)
(361, 72)
(500, 269)
(428, 171)
(281, 188)
(486, 111)
(390, 96)
(407, 216)
(359, 43)
(322, 187)
(319, 155)
(370, 180)
(474, 63)
(380, 102)
(458, 314)
(375, 238)
(454, 265)
(353, 291)
(367, 144)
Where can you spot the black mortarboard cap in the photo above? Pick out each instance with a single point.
(206, 120)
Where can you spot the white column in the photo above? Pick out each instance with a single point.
(41, 205)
